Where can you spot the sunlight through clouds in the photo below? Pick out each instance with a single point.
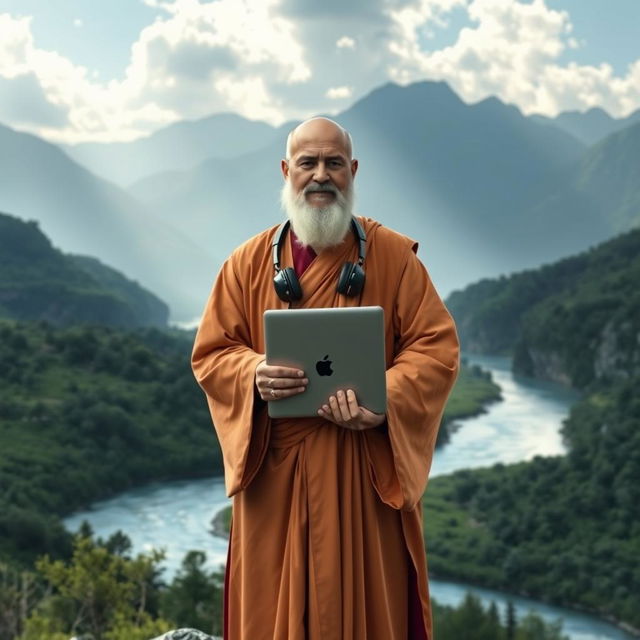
(510, 54)
(201, 58)
(278, 60)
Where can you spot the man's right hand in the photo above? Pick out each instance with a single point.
(275, 382)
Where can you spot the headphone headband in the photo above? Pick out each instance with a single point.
(350, 281)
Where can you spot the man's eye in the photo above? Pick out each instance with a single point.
(335, 163)
(306, 164)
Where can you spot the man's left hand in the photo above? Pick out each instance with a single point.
(343, 410)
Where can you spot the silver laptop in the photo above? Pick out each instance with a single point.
(337, 348)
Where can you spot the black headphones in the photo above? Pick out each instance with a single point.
(350, 282)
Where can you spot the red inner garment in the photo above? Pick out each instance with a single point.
(302, 256)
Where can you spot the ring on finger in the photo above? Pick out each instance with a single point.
(273, 393)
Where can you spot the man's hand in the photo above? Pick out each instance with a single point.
(274, 382)
(343, 410)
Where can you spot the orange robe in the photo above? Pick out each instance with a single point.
(326, 539)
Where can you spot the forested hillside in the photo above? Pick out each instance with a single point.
(86, 412)
(575, 321)
(39, 282)
(566, 529)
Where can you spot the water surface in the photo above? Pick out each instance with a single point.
(177, 516)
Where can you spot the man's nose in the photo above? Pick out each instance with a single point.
(320, 174)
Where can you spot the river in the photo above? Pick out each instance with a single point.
(177, 516)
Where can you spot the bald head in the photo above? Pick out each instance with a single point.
(316, 129)
(318, 190)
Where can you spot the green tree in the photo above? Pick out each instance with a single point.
(194, 599)
(98, 594)
(511, 621)
(19, 593)
(471, 621)
(533, 627)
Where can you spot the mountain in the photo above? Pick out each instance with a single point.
(589, 126)
(177, 147)
(85, 214)
(456, 177)
(563, 528)
(576, 321)
(485, 191)
(602, 190)
(39, 282)
(608, 177)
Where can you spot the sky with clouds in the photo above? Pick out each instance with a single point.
(74, 71)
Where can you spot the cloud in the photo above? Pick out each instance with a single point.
(337, 93)
(274, 59)
(346, 43)
(511, 53)
(201, 57)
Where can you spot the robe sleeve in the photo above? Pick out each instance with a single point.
(422, 373)
(224, 365)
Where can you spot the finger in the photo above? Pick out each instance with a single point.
(336, 416)
(279, 394)
(352, 401)
(343, 406)
(287, 383)
(265, 383)
(275, 371)
(325, 412)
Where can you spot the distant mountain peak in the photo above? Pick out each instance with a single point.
(427, 88)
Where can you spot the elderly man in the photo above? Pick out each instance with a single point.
(326, 539)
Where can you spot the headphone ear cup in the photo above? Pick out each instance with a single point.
(351, 280)
(287, 285)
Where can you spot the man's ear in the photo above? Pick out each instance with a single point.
(284, 167)
(354, 167)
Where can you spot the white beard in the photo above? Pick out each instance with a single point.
(319, 227)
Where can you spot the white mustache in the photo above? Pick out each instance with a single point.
(316, 187)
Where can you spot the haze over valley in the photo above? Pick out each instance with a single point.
(484, 189)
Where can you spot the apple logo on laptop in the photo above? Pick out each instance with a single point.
(323, 367)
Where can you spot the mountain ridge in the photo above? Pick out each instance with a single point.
(178, 146)
(84, 213)
(40, 283)
(410, 177)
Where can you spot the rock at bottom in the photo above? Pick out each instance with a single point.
(186, 634)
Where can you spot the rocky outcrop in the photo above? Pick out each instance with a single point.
(613, 355)
(617, 355)
(547, 366)
(186, 634)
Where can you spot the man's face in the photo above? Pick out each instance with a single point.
(320, 163)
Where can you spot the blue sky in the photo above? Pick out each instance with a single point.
(73, 70)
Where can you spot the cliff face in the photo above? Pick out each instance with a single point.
(614, 355)
(541, 364)
(589, 335)
(617, 355)
(574, 322)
